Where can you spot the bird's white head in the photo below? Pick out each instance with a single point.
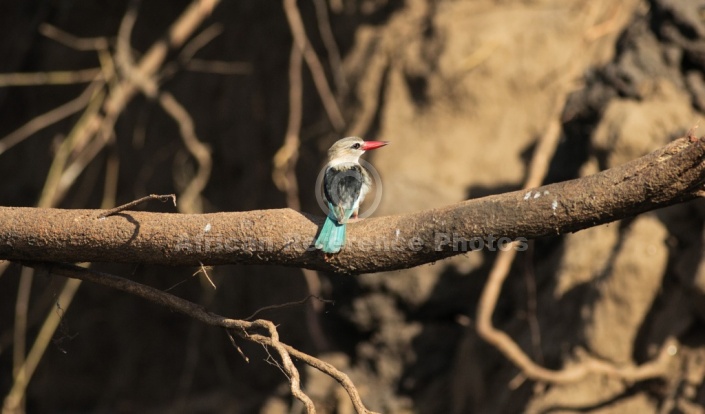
(350, 149)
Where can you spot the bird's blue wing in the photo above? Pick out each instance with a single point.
(342, 185)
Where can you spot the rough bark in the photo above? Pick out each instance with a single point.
(672, 174)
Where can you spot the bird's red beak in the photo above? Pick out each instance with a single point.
(370, 145)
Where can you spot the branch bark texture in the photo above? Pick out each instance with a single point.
(672, 174)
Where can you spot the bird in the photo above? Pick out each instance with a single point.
(345, 185)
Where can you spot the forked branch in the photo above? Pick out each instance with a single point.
(259, 331)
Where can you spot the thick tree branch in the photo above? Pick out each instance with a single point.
(672, 174)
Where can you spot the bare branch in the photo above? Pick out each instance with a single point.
(284, 171)
(500, 270)
(14, 398)
(286, 305)
(123, 55)
(188, 62)
(670, 175)
(246, 330)
(154, 58)
(64, 77)
(69, 40)
(19, 343)
(190, 198)
(298, 31)
(137, 202)
(326, 32)
(204, 271)
(200, 41)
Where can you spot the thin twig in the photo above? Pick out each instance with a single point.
(232, 341)
(64, 77)
(72, 41)
(202, 270)
(190, 49)
(127, 206)
(200, 41)
(288, 304)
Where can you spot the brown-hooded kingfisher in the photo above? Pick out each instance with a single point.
(345, 185)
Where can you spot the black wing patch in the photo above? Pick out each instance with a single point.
(342, 185)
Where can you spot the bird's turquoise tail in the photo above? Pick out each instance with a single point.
(332, 236)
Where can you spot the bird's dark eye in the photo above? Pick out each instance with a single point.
(356, 145)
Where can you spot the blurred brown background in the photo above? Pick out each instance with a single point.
(463, 90)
